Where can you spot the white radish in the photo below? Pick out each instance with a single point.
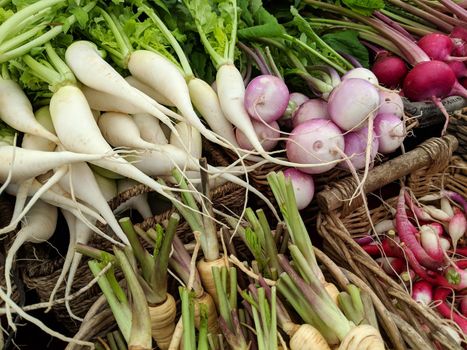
(457, 227)
(139, 203)
(446, 207)
(205, 100)
(148, 91)
(16, 111)
(191, 137)
(69, 108)
(149, 129)
(92, 70)
(57, 197)
(105, 102)
(107, 186)
(38, 228)
(81, 180)
(31, 163)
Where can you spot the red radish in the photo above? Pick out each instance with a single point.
(463, 306)
(361, 73)
(364, 240)
(311, 109)
(457, 227)
(446, 310)
(437, 227)
(430, 242)
(266, 98)
(422, 292)
(438, 47)
(356, 144)
(407, 232)
(390, 132)
(352, 102)
(445, 244)
(390, 71)
(268, 135)
(390, 103)
(303, 185)
(316, 141)
(392, 266)
(419, 213)
(387, 246)
(458, 68)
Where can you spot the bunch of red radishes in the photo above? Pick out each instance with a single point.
(438, 67)
(429, 239)
(327, 131)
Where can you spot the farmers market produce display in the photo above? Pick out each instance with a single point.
(136, 132)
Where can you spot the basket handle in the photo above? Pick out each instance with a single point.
(434, 152)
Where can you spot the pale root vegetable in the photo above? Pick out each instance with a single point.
(80, 179)
(69, 108)
(457, 227)
(266, 98)
(390, 131)
(352, 102)
(306, 337)
(268, 135)
(163, 322)
(107, 186)
(446, 206)
(362, 337)
(207, 279)
(148, 91)
(92, 70)
(165, 77)
(315, 142)
(38, 227)
(191, 137)
(149, 129)
(333, 292)
(105, 102)
(139, 203)
(16, 111)
(31, 163)
(390, 103)
(205, 100)
(361, 73)
(303, 185)
(206, 300)
(311, 109)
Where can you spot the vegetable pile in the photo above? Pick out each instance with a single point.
(99, 97)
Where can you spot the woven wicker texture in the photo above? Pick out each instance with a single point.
(435, 169)
(458, 127)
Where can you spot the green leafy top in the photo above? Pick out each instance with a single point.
(364, 7)
(347, 41)
(7, 134)
(216, 23)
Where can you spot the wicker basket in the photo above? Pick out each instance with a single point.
(458, 127)
(430, 167)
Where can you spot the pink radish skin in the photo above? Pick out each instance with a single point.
(458, 68)
(427, 80)
(418, 212)
(438, 228)
(352, 102)
(431, 243)
(390, 103)
(459, 40)
(267, 134)
(422, 292)
(303, 185)
(446, 310)
(464, 306)
(445, 244)
(266, 98)
(456, 197)
(457, 226)
(356, 146)
(313, 142)
(311, 109)
(438, 47)
(296, 99)
(361, 73)
(390, 71)
(389, 130)
(407, 233)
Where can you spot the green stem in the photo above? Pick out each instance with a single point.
(11, 23)
(121, 311)
(140, 335)
(144, 258)
(112, 343)
(171, 39)
(119, 340)
(17, 40)
(224, 305)
(409, 22)
(189, 339)
(233, 35)
(203, 329)
(3, 3)
(336, 22)
(94, 253)
(47, 74)
(270, 245)
(67, 75)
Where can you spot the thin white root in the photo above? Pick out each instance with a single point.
(40, 324)
(177, 335)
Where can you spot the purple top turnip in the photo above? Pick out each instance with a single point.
(303, 186)
(268, 135)
(311, 109)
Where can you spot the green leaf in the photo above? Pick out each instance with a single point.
(347, 41)
(364, 7)
(82, 16)
(5, 14)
